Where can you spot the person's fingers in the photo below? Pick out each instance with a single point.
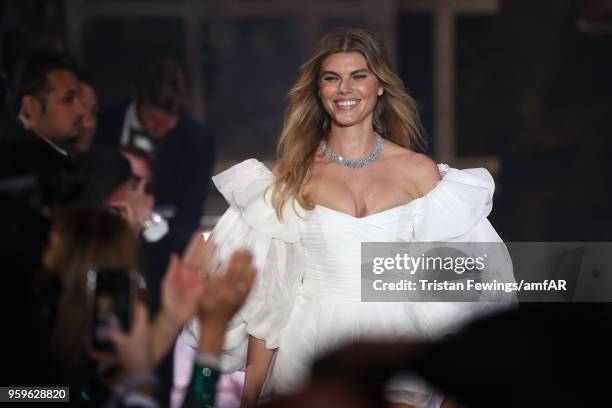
(212, 293)
(191, 246)
(238, 274)
(245, 280)
(172, 268)
(103, 357)
(234, 284)
(250, 276)
(239, 261)
(245, 284)
(117, 337)
(125, 210)
(199, 262)
(193, 255)
(247, 273)
(245, 261)
(198, 256)
(208, 253)
(196, 287)
(211, 286)
(141, 318)
(215, 265)
(120, 206)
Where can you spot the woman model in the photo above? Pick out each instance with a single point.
(347, 174)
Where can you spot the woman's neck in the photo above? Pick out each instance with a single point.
(353, 142)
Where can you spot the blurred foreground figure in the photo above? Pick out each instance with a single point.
(182, 152)
(52, 339)
(539, 355)
(181, 149)
(38, 177)
(118, 183)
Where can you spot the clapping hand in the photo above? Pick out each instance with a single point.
(221, 298)
(188, 288)
(187, 285)
(181, 290)
(223, 294)
(182, 286)
(125, 210)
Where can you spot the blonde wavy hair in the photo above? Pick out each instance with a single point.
(307, 123)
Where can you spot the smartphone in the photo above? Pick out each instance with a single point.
(111, 297)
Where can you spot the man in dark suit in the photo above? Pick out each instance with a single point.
(37, 178)
(183, 154)
(48, 117)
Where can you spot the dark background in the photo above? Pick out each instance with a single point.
(533, 84)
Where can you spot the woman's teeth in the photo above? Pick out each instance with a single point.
(347, 104)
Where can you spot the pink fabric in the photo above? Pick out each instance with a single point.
(229, 389)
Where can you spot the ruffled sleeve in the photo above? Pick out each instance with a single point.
(461, 200)
(251, 222)
(456, 210)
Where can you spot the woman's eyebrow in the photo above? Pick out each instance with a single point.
(329, 73)
(352, 73)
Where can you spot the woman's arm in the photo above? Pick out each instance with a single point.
(258, 361)
(164, 330)
(181, 291)
(206, 371)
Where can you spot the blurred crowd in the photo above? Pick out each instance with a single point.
(79, 191)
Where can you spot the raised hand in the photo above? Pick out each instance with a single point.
(125, 210)
(134, 350)
(199, 254)
(181, 291)
(224, 294)
(182, 285)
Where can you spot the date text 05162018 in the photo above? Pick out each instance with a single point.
(34, 394)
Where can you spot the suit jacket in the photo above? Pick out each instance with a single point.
(34, 178)
(57, 178)
(184, 159)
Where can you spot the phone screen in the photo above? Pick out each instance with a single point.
(112, 294)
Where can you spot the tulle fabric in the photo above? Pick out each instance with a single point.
(306, 300)
(250, 222)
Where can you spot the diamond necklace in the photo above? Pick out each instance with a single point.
(354, 164)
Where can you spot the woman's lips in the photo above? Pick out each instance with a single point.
(347, 104)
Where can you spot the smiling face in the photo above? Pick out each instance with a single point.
(348, 89)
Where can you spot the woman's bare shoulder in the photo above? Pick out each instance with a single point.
(414, 167)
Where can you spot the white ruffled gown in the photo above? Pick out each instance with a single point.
(306, 299)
